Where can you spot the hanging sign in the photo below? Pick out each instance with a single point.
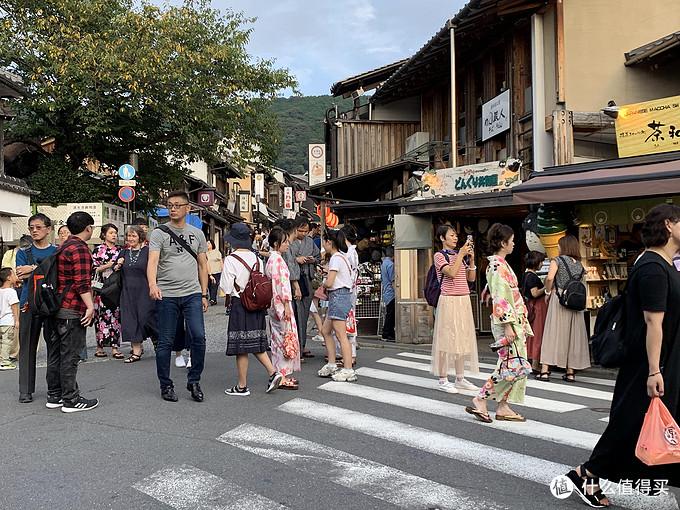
(259, 185)
(479, 178)
(206, 198)
(317, 164)
(648, 128)
(496, 116)
(244, 202)
(288, 198)
(300, 196)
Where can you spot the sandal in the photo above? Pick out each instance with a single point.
(581, 485)
(483, 417)
(510, 417)
(288, 385)
(100, 354)
(543, 376)
(118, 355)
(133, 358)
(570, 378)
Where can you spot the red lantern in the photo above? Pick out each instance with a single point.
(332, 220)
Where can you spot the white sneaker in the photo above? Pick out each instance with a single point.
(447, 387)
(318, 338)
(345, 375)
(465, 385)
(189, 361)
(327, 370)
(180, 362)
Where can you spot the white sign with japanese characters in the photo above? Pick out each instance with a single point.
(496, 116)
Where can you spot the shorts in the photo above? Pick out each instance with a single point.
(339, 304)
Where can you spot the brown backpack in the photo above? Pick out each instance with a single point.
(257, 294)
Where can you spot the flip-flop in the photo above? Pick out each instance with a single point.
(483, 417)
(118, 355)
(510, 417)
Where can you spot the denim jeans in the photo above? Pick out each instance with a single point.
(168, 312)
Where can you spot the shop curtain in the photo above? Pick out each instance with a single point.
(412, 232)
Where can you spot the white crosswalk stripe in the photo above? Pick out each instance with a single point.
(370, 478)
(577, 391)
(430, 383)
(188, 488)
(506, 462)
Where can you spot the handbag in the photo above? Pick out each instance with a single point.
(291, 346)
(512, 368)
(351, 323)
(111, 290)
(659, 440)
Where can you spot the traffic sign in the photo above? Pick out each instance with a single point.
(127, 172)
(127, 182)
(126, 194)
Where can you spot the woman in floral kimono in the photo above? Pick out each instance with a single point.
(281, 316)
(510, 329)
(107, 320)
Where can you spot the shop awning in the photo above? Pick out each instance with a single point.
(471, 204)
(640, 176)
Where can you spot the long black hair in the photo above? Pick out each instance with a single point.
(337, 239)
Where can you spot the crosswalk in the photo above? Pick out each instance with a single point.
(387, 417)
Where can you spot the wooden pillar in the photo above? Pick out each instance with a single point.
(563, 137)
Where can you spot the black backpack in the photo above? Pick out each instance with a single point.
(433, 284)
(43, 298)
(574, 293)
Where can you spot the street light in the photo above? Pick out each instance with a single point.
(611, 110)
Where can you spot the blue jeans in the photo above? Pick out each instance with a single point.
(168, 311)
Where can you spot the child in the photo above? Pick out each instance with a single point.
(9, 316)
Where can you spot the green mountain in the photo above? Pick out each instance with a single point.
(301, 121)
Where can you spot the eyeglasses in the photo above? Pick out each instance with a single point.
(35, 227)
(177, 206)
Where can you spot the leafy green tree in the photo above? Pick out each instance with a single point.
(109, 77)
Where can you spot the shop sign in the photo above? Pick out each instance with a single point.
(300, 196)
(259, 185)
(496, 115)
(206, 198)
(479, 178)
(649, 128)
(317, 164)
(288, 198)
(244, 202)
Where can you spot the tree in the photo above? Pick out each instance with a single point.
(109, 77)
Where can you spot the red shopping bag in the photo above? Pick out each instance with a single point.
(659, 441)
(291, 347)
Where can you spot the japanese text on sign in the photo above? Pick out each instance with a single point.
(649, 128)
(496, 116)
(479, 178)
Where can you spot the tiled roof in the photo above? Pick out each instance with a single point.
(654, 50)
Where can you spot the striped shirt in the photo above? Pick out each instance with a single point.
(457, 286)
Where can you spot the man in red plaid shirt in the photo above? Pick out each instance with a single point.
(74, 266)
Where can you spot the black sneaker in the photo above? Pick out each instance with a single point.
(237, 391)
(82, 404)
(274, 382)
(54, 402)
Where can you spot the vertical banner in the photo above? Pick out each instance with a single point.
(288, 198)
(259, 186)
(317, 163)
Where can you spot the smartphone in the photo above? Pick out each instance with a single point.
(469, 239)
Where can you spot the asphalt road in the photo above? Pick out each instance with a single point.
(389, 441)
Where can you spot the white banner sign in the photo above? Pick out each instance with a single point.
(317, 163)
(244, 202)
(259, 185)
(496, 116)
(288, 198)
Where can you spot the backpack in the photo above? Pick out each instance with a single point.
(257, 294)
(574, 293)
(43, 298)
(608, 342)
(433, 284)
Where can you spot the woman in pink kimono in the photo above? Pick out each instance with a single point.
(281, 316)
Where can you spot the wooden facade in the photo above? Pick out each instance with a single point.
(361, 145)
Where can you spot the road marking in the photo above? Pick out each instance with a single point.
(367, 477)
(606, 420)
(544, 404)
(589, 380)
(535, 429)
(488, 457)
(186, 487)
(576, 391)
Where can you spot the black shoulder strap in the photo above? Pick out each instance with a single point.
(29, 254)
(566, 266)
(179, 240)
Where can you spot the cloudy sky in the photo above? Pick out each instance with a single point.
(324, 41)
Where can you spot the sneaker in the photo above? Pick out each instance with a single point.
(237, 391)
(8, 366)
(327, 370)
(447, 387)
(318, 339)
(180, 362)
(189, 361)
(274, 382)
(345, 375)
(464, 384)
(54, 402)
(82, 404)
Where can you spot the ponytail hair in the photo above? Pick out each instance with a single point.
(337, 239)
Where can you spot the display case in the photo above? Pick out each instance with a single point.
(369, 284)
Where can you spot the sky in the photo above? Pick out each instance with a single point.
(325, 41)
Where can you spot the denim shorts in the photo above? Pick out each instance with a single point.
(339, 304)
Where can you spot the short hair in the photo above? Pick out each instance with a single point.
(78, 222)
(178, 194)
(140, 221)
(389, 252)
(569, 246)
(137, 230)
(301, 221)
(499, 234)
(534, 259)
(212, 243)
(287, 225)
(277, 237)
(5, 273)
(654, 231)
(442, 230)
(105, 230)
(350, 232)
(337, 239)
(59, 229)
(40, 217)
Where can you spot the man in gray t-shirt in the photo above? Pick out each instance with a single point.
(178, 281)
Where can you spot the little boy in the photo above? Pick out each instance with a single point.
(9, 316)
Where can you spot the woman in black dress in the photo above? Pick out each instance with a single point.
(651, 367)
(136, 306)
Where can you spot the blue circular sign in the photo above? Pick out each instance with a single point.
(127, 172)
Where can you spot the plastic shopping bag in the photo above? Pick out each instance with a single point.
(351, 323)
(659, 441)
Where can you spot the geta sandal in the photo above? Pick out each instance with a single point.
(483, 417)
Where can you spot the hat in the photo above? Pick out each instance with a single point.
(239, 236)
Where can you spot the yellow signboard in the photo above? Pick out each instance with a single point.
(649, 128)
